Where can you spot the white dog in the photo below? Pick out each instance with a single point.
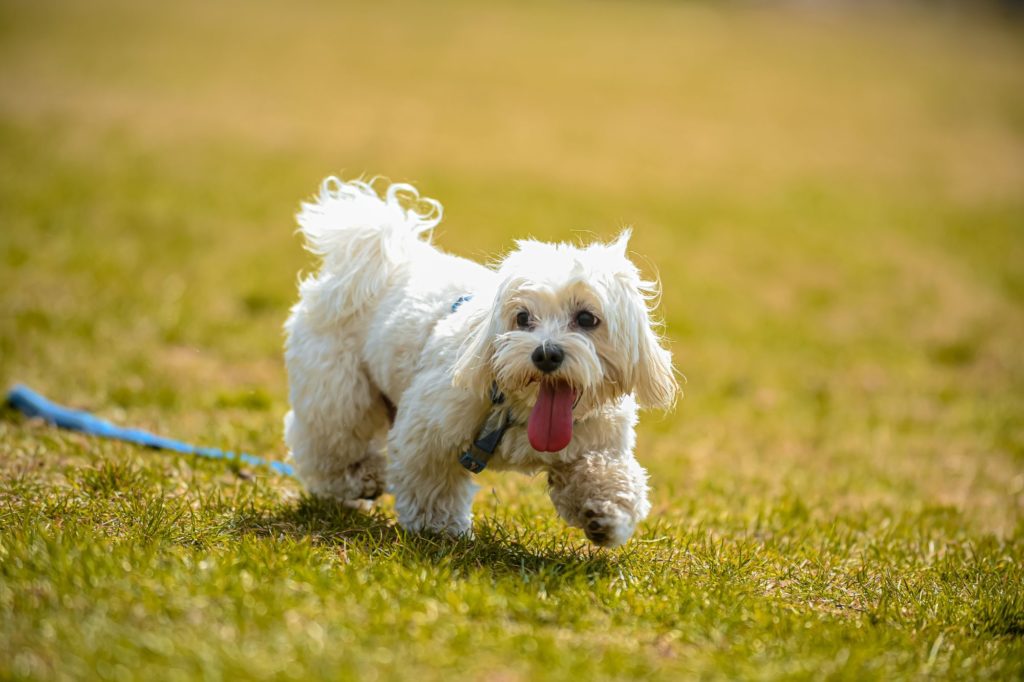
(450, 366)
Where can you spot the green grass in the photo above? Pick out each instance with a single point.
(834, 201)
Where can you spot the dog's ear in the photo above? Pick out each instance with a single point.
(656, 384)
(472, 369)
(649, 374)
(621, 243)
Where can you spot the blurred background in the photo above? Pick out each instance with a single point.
(830, 192)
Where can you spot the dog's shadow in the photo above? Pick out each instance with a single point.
(499, 546)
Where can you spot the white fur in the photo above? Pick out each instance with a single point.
(376, 325)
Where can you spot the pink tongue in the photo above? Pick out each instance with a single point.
(550, 423)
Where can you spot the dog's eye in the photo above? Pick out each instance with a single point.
(587, 320)
(523, 320)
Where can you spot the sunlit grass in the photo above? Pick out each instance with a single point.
(834, 203)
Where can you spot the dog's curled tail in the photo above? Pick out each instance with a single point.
(362, 237)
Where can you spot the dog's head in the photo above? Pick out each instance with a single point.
(569, 330)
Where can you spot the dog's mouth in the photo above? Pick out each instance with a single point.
(550, 424)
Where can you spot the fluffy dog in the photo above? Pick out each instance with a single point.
(540, 363)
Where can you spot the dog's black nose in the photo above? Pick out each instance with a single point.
(548, 357)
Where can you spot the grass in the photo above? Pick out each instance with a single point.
(834, 203)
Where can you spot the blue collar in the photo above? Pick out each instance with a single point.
(460, 300)
(489, 437)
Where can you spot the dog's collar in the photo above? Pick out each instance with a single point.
(489, 437)
(495, 425)
(460, 300)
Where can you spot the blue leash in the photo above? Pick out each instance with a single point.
(31, 404)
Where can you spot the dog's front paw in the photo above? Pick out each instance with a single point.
(432, 522)
(606, 523)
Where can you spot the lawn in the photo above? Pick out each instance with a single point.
(834, 202)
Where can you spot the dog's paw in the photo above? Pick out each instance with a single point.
(606, 524)
(357, 486)
(366, 477)
(440, 526)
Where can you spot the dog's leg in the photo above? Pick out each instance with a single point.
(433, 492)
(603, 492)
(430, 494)
(335, 428)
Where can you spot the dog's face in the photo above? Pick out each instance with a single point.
(569, 330)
